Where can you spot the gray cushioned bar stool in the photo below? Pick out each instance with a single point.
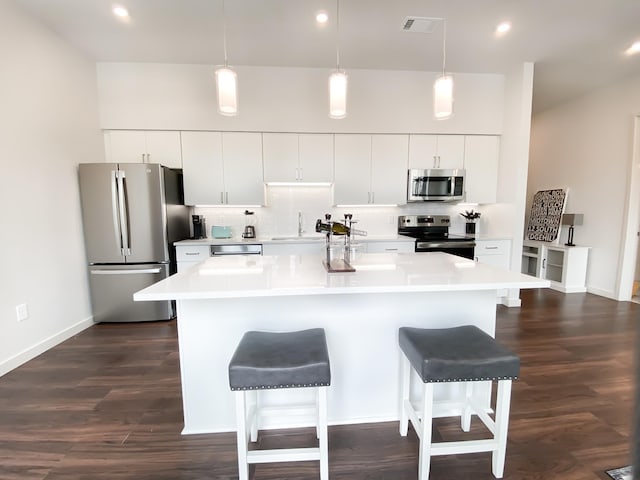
(270, 360)
(459, 354)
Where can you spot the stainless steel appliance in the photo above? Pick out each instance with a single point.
(132, 214)
(199, 227)
(435, 185)
(432, 235)
(250, 228)
(238, 249)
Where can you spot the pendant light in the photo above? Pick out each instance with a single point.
(226, 80)
(338, 79)
(443, 86)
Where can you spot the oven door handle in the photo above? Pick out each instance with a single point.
(445, 244)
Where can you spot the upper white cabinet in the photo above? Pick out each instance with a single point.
(222, 168)
(291, 157)
(370, 169)
(436, 151)
(481, 160)
(143, 146)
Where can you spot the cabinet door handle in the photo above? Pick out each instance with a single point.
(192, 253)
(373, 197)
(143, 158)
(226, 197)
(490, 248)
(221, 197)
(300, 176)
(544, 263)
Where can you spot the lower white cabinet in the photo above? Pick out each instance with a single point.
(390, 247)
(496, 253)
(189, 255)
(493, 252)
(294, 247)
(565, 267)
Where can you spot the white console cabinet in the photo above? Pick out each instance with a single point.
(565, 267)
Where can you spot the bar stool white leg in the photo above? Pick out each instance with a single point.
(503, 403)
(426, 425)
(465, 419)
(323, 441)
(241, 435)
(254, 418)
(405, 384)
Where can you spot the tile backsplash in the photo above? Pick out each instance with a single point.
(280, 215)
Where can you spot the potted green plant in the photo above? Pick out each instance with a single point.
(472, 219)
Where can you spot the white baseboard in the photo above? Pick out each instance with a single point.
(23, 357)
(510, 301)
(603, 293)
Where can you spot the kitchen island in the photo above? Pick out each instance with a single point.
(223, 297)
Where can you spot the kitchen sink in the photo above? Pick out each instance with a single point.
(301, 238)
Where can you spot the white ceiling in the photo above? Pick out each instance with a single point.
(577, 45)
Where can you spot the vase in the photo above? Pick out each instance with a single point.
(470, 228)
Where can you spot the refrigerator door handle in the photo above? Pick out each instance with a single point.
(124, 214)
(125, 272)
(115, 210)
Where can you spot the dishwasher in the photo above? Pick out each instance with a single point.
(236, 249)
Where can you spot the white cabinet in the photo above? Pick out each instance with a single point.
(496, 253)
(436, 151)
(481, 165)
(565, 267)
(243, 177)
(189, 255)
(143, 146)
(390, 247)
(493, 252)
(370, 169)
(294, 247)
(222, 168)
(291, 157)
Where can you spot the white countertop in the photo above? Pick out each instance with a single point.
(287, 275)
(289, 239)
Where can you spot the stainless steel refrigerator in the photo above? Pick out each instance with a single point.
(132, 213)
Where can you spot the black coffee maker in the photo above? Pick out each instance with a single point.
(199, 228)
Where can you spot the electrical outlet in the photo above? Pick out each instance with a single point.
(22, 312)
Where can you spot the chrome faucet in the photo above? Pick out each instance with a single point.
(300, 229)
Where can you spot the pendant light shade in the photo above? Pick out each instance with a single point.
(338, 94)
(338, 79)
(443, 97)
(227, 90)
(226, 79)
(443, 86)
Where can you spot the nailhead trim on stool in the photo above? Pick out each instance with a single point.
(460, 354)
(278, 360)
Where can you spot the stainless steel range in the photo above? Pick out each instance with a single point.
(432, 235)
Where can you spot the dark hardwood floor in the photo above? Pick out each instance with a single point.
(106, 405)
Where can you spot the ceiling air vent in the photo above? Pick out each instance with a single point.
(420, 24)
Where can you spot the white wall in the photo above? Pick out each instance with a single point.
(48, 123)
(182, 97)
(586, 145)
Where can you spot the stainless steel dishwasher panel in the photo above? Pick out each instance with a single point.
(237, 249)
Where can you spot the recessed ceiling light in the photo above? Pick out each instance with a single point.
(635, 48)
(120, 11)
(322, 17)
(503, 28)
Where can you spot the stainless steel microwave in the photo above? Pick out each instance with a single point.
(435, 185)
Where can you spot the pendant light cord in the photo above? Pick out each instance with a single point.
(224, 33)
(444, 44)
(338, 34)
